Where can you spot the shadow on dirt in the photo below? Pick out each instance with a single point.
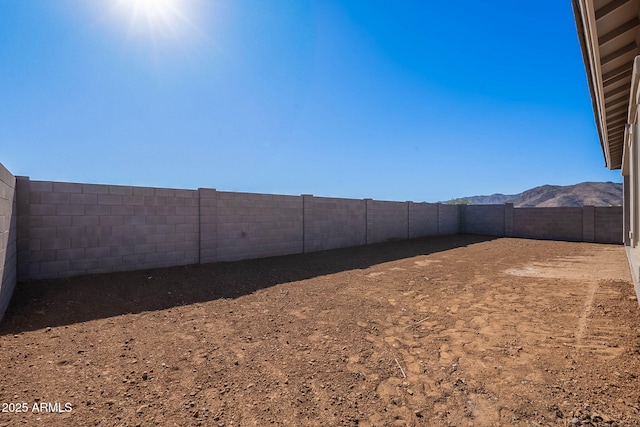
(58, 302)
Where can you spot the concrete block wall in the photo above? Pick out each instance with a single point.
(448, 219)
(331, 223)
(22, 211)
(423, 219)
(208, 225)
(66, 229)
(387, 221)
(588, 224)
(508, 219)
(73, 228)
(8, 241)
(257, 225)
(608, 224)
(483, 219)
(549, 223)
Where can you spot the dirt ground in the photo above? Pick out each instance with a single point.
(449, 331)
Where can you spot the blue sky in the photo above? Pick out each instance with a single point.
(393, 100)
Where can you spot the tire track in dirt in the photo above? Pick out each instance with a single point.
(588, 306)
(481, 335)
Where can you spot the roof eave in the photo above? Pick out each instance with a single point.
(592, 64)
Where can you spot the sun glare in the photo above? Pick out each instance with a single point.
(167, 19)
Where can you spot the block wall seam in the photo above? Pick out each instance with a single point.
(408, 219)
(307, 206)
(23, 190)
(368, 220)
(199, 228)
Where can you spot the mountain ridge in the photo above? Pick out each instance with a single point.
(577, 195)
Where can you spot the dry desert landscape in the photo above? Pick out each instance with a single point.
(448, 331)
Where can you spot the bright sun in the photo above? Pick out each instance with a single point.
(155, 18)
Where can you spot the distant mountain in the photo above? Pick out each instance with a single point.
(494, 199)
(583, 194)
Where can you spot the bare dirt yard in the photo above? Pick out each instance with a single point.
(448, 331)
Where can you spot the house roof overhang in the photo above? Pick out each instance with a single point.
(609, 34)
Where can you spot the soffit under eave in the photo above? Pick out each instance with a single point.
(609, 36)
(586, 43)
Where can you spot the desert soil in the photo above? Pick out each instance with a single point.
(448, 331)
